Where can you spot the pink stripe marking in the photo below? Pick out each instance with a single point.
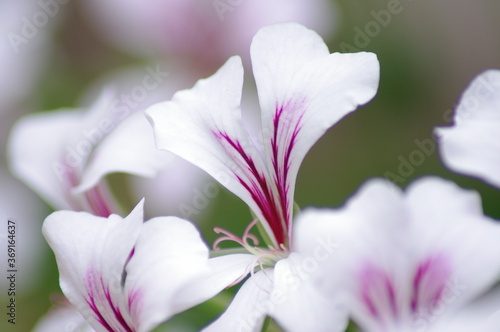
(257, 187)
(429, 282)
(100, 292)
(94, 197)
(378, 292)
(273, 198)
(282, 167)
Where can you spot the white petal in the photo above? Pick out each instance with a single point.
(241, 25)
(169, 255)
(296, 303)
(246, 312)
(129, 148)
(303, 91)
(48, 151)
(346, 241)
(483, 315)
(472, 145)
(403, 255)
(91, 253)
(223, 272)
(63, 318)
(450, 220)
(203, 125)
(37, 154)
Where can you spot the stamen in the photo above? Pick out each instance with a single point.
(231, 237)
(263, 257)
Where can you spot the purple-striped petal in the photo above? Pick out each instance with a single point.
(122, 274)
(472, 145)
(303, 90)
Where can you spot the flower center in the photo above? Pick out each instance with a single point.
(264, 257)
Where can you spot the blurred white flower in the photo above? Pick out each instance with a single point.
(63, 155)
(409, 261)
(472, 144)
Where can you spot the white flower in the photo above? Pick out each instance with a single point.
(123, 274)
(63, 155)
(472, 145)
(409, 261)
(303, 90)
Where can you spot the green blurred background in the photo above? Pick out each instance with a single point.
(429, 52)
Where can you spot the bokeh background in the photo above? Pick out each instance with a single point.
(429, 51)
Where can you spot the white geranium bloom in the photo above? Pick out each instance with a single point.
(303, 90)
(409, 261)
(63, 155)
(472, 145)
(123, 274)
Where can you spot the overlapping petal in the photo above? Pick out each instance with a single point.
(297, 304)
(123, 274)
(286, 294)
(129, 148)
(38, 161)
(303, 90)
(62, 318)
(472, 145)
(63, 155)
(405, 257)
(48, 151)
(248, 309)
(224, 271)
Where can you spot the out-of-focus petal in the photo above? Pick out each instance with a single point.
(63, 318)
(472, 145)
(48, 151)
(403, 256)
(129, 148)
(297, 304)
(39, 154)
